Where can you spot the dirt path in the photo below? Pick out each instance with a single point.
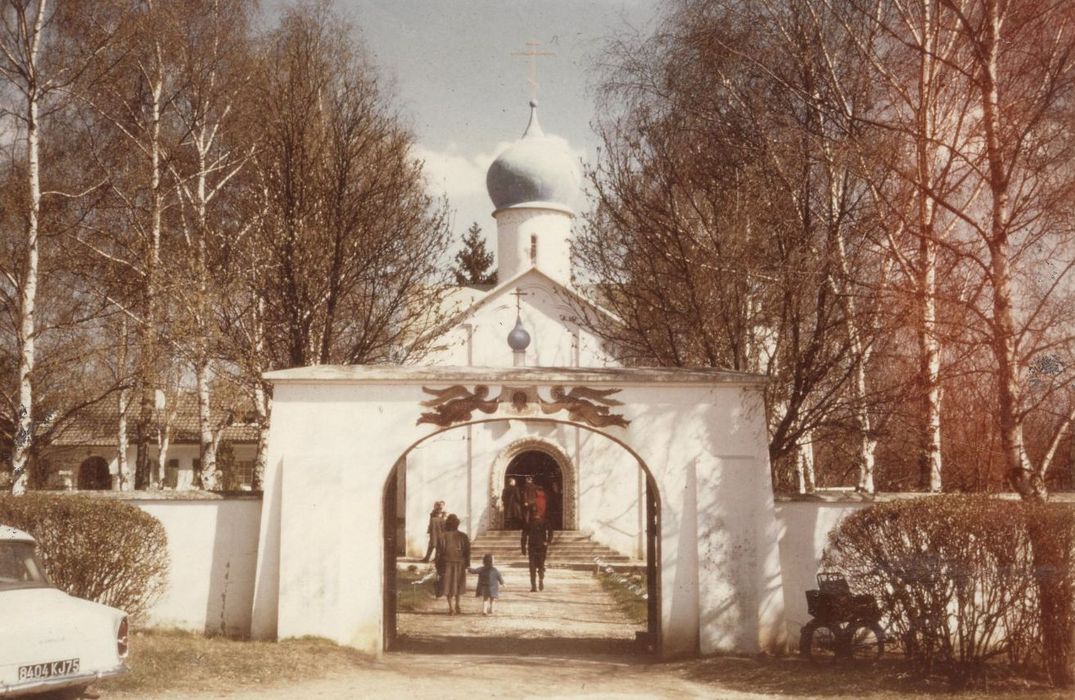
(449, 676)
(573, 614)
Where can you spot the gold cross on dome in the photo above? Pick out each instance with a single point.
(518, 294)
(532, 53)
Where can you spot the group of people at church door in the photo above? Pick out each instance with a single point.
(518, 503)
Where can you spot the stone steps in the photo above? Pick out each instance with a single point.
(570, 549)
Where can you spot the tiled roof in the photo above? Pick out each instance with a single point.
(99, 427)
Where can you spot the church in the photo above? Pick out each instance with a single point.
(529, 319)
(665, 466)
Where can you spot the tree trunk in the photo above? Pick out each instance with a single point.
(263, 406)
(207, 479)
(262, 401)
(804, 465)
(24, 418)
(867, 443)
(148, 367)
(928, 344)
(207, 476)
(1004, 342)
(123, 482)
(164, 442)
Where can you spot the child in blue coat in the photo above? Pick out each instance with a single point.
(489, 582)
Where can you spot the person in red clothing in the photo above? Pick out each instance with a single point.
(540, 502)
(529, 497)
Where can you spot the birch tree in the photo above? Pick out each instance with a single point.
(747, 253)
(38, 67)
(1018, 62)
(213, 59)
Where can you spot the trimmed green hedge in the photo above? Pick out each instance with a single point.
(967, 581)
(98, 549)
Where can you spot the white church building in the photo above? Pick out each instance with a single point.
(668, 466)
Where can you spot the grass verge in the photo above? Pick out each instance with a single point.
(180, 662)
(411, 591)
(624, 589)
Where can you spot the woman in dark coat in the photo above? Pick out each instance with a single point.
(453, 560)
(513, 506)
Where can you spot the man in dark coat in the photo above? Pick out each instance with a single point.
(537, 536)
(513, 506)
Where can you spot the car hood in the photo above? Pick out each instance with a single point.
(46, 624)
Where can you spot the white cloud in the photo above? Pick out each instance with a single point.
(456, 174)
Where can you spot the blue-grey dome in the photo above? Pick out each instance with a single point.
(518, 338)
(535, 169)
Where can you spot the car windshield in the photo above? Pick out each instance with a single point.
(20, 567)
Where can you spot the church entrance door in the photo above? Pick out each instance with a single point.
(541, 481)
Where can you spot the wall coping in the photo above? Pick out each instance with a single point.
(622, 376)
(159, 495)
(849, 496)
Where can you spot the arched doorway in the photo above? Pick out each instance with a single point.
(93, 475)
(548, 465)
(540, 480)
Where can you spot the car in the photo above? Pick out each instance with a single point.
(51, 642)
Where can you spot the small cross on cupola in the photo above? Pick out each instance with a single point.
(519, 338)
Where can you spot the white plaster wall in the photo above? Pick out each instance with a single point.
(212, 546)
(480, 338)
(437, 470)
(803, 532)
(611, 494)
(552, 228)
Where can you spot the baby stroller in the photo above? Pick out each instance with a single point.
(843, 625)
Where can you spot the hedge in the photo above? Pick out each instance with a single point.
(98, 549)
(967, 581)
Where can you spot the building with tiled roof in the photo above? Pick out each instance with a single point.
(85, 453)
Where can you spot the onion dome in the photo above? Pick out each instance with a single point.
(536, 170)
(518, 338)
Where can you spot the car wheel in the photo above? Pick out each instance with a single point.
(72, 693)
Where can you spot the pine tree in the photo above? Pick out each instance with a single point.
(472, 263)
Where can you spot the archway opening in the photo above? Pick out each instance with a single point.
(582, 608)
(541, 484)
(93, 475)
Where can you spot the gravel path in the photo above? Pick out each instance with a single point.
(573, 612)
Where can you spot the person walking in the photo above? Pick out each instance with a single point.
(453, 560)
(434, 528)
(511, 499)
(537, 536)
(489, 582)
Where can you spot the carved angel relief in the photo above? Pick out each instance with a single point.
(585, 405)
(457, 404)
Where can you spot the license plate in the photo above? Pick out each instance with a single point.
(49, 669)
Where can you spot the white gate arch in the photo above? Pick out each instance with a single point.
(337, 433)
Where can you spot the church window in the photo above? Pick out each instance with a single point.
(533, 249)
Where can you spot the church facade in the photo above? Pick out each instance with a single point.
(663, 465)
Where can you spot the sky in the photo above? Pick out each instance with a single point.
(465, 95)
